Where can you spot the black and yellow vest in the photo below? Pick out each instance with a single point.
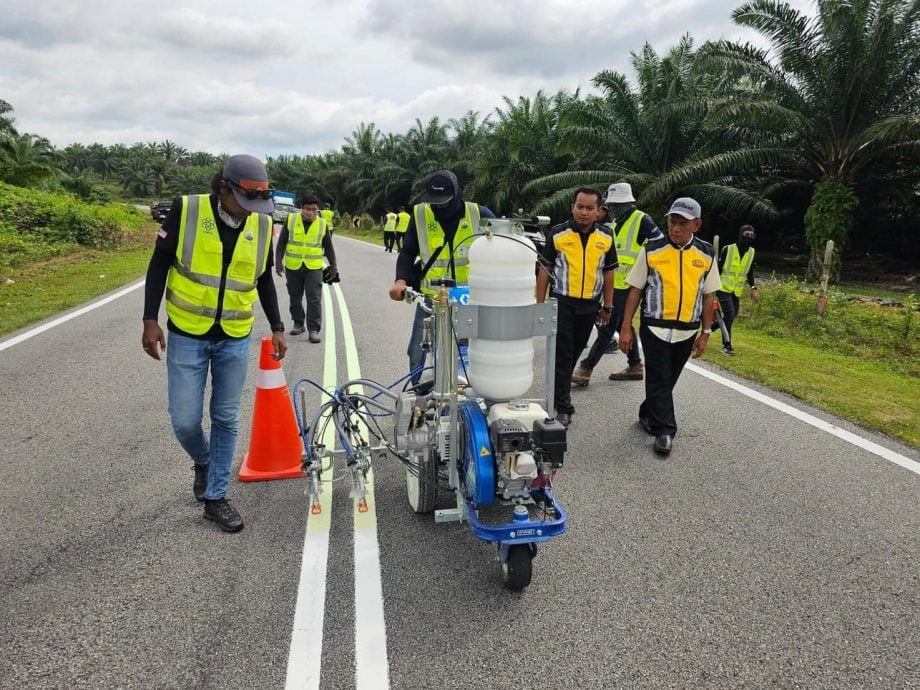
(673, 295)
(193, 282)
(579, 268)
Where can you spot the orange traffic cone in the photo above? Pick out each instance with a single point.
(275, 446)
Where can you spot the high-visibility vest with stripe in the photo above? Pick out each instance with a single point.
(674, 289)
(193, 282)
(390, 225)
(431, 236)
(736, 269)
(304, 245)
(328, 214)
(579, 268)
(402, 221)
(628, 247)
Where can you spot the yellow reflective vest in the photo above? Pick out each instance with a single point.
(626, 237)
(390, 225)
(736, 269)
(328, 214)
(194, 280)
(304, 245)
(673, 295)
(402, 221)
(431, 237)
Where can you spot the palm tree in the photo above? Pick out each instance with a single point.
(521, 145)
(655, 137)
(836, 100)
(25, 159)
(6, 122)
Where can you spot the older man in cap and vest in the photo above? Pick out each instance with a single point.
(303, 243)
(213, 259)
(736, 266)
(676, 279)
(439, 236)
(631, 229)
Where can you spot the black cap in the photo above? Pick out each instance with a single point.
(440, 188)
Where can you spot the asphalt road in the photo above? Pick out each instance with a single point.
(762, 552)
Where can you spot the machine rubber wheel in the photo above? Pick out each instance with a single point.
(423, 489)
(518, 569)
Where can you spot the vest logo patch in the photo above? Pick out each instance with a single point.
(619, 245)
(599, 245)
(208, 225)
(698, 263)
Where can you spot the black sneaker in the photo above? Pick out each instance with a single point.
(224, 514)
(297, 329)
(201, 481)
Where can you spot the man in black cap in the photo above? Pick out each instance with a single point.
(439, 235)
(213, 260)
(736, 266)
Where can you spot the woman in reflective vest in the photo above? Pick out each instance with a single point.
(737, 267)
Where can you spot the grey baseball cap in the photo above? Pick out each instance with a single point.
(246, 173)
(686, 207)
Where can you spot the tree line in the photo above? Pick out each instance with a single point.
(814, 137)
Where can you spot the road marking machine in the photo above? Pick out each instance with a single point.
(465, 427)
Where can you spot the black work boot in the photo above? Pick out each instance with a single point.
(201, 481)
(220, 511)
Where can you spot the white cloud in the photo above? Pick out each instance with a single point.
(297, 77)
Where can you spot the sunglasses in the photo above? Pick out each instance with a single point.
(253, 194)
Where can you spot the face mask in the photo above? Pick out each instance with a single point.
(228, 217)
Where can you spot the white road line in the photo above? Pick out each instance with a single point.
(67, 317)
(849, 437)
(306, 650)
(372, 670)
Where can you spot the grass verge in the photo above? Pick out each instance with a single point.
(45, 288)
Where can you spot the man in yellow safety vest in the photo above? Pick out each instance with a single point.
(389, 230)
(631, 229)
(402, 224)
(303, 244)
(439, 236)
(736, 266)
(213, 260)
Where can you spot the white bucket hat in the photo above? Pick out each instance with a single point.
(620, 193)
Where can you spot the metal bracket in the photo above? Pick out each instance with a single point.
(505, 323)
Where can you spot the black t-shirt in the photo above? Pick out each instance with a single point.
(164, 253)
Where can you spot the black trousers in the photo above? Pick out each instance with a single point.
(663, 364)
(728, 305)
(605, 335)
(572, 335)
(389, 239)
(310, 282)
(399, 239)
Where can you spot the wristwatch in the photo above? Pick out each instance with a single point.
(707, 331)
(606, 309)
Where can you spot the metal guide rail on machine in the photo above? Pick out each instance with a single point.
(465, 428)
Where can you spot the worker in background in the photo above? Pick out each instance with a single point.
(436, 245)
(631, 229)
(402, 224)
(736, 266)
(328, 215)
(581, 256)
(389, 230)
(303, 243)
(676, 279)
(213, 260)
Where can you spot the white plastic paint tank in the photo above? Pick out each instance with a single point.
(502, 275)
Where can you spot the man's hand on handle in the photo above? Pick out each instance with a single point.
(398, 290)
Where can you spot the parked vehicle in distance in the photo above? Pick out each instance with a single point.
(282, 209)
(160, 209)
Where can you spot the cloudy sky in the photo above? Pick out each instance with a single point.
(297, 76)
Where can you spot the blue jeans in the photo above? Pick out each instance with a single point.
(187, 363)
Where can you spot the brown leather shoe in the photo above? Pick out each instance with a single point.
(581, 376)
(633, 373)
